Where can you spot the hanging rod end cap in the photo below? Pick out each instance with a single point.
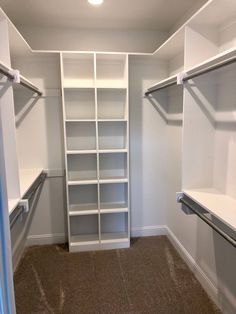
(25, 204)
(16, 75)
(179, 196)
(180, 78)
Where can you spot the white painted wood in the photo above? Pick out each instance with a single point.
(27, 178)
(96, 141)
(218, 204)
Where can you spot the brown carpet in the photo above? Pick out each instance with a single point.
(150, 277)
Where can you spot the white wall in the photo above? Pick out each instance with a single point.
(147, 150)
(93, 40)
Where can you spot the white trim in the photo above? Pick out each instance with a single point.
(148, 231)
(208, 286)
(45, 239)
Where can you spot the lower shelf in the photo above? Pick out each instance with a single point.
(85, 239)
(216, 203)
(114, 237)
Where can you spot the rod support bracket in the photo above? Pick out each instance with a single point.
(180, 78)
(16, 76)
(25, 204)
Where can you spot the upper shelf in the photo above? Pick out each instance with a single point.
(216, 203)
(27, 179)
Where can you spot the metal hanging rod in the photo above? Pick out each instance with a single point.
(30, 86)
(210, 68)
(193, 75)
(228, 238)
(154, 89)
(22, 81)
(19, 210)
(5, 71)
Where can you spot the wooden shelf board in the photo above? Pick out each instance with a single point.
(114, 237)
(84, 209)
(113, 180)
(79, 120)
(107, 151)
(12, 204)
(82, 182)
(106, 208)
(212, 61)
(111, 150)
(79, 152)
(86, 239)
(216, 203)
(112, 120)
(27, 179)
(173, 46)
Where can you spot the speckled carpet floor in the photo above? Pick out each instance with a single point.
(150, 277)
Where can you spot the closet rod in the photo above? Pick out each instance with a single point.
(23, 81)
(154, 89)
(19, 208)
(5, 71)
(208, 221)
(210, 68)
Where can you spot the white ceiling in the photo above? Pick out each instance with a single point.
(159, 15)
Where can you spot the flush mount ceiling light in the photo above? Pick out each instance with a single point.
(95, 2)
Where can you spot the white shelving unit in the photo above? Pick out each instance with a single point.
(209, 155)
(95, 109)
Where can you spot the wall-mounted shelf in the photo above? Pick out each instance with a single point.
(216, 203)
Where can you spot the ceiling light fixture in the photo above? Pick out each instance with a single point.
(95, 2)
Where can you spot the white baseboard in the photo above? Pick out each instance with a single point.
(208, 286)
(217, 296)
(45, 239)
(148, 231)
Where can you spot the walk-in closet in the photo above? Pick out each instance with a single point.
(118, 157)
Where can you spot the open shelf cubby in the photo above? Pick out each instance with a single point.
(78, 70)
(113, 197)
(112, 104)
(83, 199)
(209, 168)
(80, 104)
(114, 227)
(211, 32)
(82, 167)
(81, 136)
(112, 70)
(113, 166)
(171, 57)
(112, 135)
(84, 230)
